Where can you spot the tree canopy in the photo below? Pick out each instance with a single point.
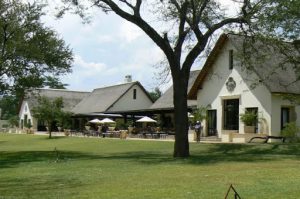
(182, 29)
(155, 94)
(29, 51)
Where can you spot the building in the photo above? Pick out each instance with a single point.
(228, 88)
(102, 102)
(70, 98)
(112, 101)
(164, 106)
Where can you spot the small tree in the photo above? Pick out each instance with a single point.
(13, 121)
(49, 111)
(290, 131)
(199, 114)
(64, 119)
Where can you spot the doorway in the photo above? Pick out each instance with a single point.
(211, 122)
(231, 114)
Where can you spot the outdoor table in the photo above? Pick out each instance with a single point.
(107, 134)
(163, 135)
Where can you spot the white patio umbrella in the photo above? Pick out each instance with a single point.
(107, 120)
(146, 120)
(95, 121)
(190, 115)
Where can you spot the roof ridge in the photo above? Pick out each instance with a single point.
(64, 90)
(116, 85)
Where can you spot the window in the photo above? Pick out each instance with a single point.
(230, 59)
(134, 93)
(285, 116)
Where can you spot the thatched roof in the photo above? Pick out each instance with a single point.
(268, 62)
(101, 99)
(166, 100)
(70, 98)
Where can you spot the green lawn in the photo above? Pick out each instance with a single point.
(113, 168)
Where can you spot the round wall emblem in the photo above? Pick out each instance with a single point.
(230, 84)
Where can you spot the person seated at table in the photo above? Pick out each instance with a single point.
(148, 129)
(104, 129)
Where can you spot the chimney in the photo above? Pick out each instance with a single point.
(128, 79)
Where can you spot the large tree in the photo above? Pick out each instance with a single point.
(183, 28)
(29, 51)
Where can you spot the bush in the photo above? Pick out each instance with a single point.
(290, 131)
(5, 126)
(249, 118)
(14, 121)
(123, 126)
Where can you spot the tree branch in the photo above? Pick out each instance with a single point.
(196, 18)
(161, 42)
(128, 4)
(181, 32)
(137, 8)
(219, 25)
(193, 54)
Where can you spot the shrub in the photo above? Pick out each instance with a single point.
(249, 118)
(290, 131)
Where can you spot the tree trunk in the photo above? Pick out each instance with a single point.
(50, 136)
(50, 129)
(181, 147)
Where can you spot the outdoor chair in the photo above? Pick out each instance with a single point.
(163, 136)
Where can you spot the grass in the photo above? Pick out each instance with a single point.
(112, 168)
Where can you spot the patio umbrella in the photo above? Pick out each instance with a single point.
(107, 120)
(147, 120)
(190, 115)
(95, 121)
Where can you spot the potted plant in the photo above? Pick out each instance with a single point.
(249, 118)
(130, 127)
(67, 129)
(59, 126)
(87, 126)
(28, 128)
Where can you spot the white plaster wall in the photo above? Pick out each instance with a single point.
(214, 91)
(26, 111)
(277, 103)
(126, 102)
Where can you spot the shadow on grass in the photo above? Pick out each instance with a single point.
(246, 153)
(20, 187)
(53, 137)
(201, 154)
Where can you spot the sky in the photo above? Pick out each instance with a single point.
(106, 50)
